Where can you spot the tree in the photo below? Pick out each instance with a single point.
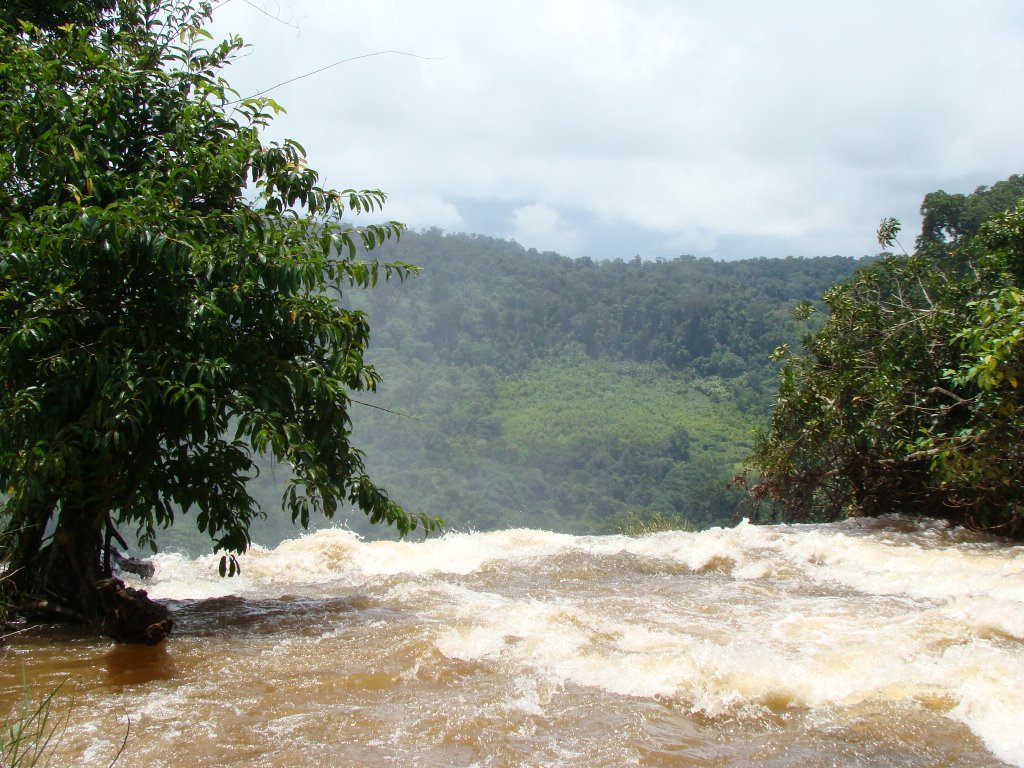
(50, 14)
(977, 457)
(948, 221)
(864, 389)
(907, 398)
(170, 295)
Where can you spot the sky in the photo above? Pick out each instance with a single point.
(610, 129)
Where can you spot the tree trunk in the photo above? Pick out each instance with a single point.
(74, 564)
(65, 582)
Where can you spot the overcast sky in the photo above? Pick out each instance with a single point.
(607, 128)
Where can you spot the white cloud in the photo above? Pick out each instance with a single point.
(542, 227)
(424, 211)
(797, 122)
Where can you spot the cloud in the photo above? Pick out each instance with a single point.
(424, 211)
(797, 124)
(543, 227)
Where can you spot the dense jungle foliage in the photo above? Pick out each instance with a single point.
(908, 398)
(527, 388)
(171, 303)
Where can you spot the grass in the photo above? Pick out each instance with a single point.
(32, 732)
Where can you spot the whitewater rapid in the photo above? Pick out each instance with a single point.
(872, 642)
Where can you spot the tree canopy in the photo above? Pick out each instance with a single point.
(574, 394)
(170, 299)
(950, 221)
(908, 398)
(51, 14)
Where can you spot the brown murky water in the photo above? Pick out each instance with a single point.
(862, 644)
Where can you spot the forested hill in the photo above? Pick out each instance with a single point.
(483, 301)
(571, 394)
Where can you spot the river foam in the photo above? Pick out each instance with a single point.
(734, 623)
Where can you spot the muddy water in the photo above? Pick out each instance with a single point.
(875, 643)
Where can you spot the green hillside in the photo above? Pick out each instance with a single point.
(529, 389)
(525, 388)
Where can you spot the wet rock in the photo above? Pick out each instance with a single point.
(136, 565)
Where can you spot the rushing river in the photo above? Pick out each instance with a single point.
(868, 643)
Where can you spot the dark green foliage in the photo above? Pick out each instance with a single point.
(553, 392)
(50, 14)
(482, 301)
(864, 390)
(948, 222)
(977, 453)
(170, 308)
(907, 399)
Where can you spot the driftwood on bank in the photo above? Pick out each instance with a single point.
(61, 584)
(130, 616)
(136, 565)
